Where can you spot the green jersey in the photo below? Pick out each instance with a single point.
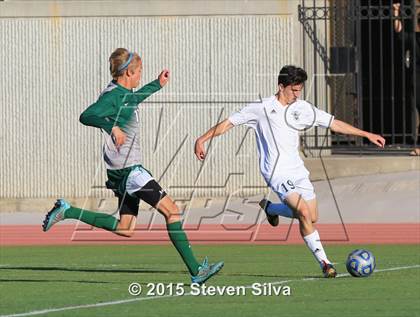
(118, 106)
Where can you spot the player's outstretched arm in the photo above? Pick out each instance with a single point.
(218, 129)
(149, 89)
(345, 128)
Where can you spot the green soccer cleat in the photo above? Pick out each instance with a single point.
(272, 219)
(328, 270)
(206, 270)
(56, 214)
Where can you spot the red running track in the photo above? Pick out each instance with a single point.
(408, 233)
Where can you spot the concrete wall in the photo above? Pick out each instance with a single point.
(53, 61)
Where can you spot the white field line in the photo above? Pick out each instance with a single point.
(138, 299)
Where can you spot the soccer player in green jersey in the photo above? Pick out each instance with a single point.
(116, 114)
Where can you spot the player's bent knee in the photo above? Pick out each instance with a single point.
(173, 215)
(169, 210)
(304, 214)
(126, 226)
(124, 232)
(127, 234)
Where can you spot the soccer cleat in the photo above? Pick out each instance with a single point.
(56, 214)
(206, 270)
(328, 270)
(272, 220)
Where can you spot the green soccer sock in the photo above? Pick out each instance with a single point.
(180, 241)
(96, 219)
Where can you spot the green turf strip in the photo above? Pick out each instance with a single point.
(39, 278)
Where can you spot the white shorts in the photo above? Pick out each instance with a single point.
(287, 184)
(137, 178)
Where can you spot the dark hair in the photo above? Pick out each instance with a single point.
(292, 75)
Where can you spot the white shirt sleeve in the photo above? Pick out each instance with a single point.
(247, 115)
(322, 119)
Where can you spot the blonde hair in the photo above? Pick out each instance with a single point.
(120, 60)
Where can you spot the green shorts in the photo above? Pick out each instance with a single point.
(117, 179)
(132, 184)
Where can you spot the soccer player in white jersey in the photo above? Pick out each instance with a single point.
(277, 121)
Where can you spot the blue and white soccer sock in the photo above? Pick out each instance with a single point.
(280, 209)
(314, 244)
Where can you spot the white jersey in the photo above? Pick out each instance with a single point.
(277, 133)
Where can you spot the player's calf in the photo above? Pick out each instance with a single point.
(305, 220)
(313, 208)
(126, 226)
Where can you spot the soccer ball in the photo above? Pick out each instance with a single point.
(360, 263)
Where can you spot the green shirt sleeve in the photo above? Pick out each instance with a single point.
(115, 109)
(100, 114)
(145, 92)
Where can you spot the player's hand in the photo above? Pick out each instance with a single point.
(163, 77)
(118, 136)
(199, 150)
(376, 139)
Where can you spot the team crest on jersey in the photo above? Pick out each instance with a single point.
(296, 115)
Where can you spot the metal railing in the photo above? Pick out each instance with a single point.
(370, 68)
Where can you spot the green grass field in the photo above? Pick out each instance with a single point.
(47, 278)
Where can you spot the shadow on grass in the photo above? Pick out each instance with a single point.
(63, 269)
(51, 281)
